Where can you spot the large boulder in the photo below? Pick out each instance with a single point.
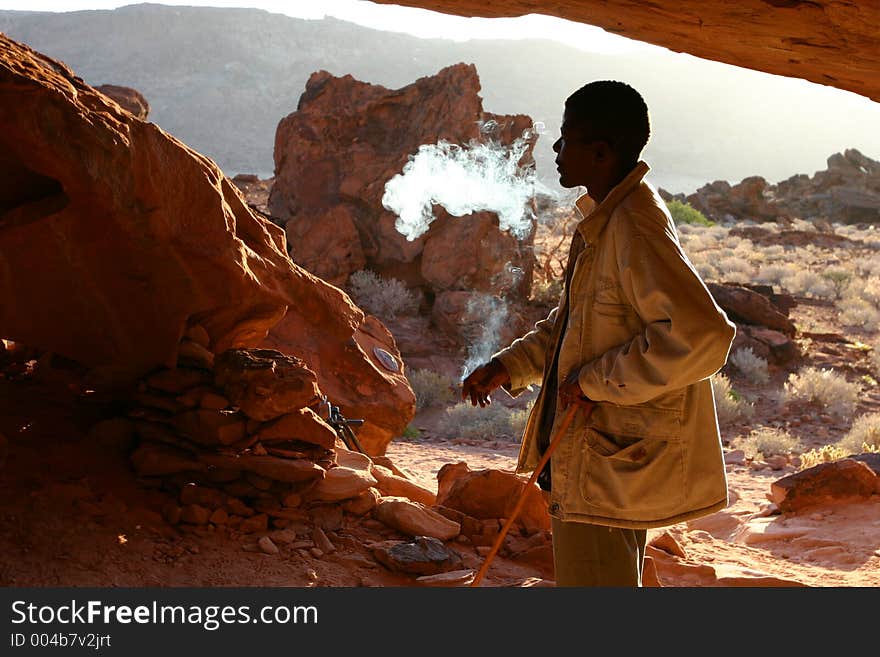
(127, 98)
(115, 238)
(347, 139)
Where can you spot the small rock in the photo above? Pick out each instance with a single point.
(237, 507)
(327, 516)
(171, 513)
(451, 578)
(292, 500)
(219, 517)
(341, 483)
(316, 552)
(198, 334)
(192, 352)
(363, 503)
(283, 536)
(322, 542)
(414, 518)
(267, 546)
(257, 523)
(777, 461)
(735, 457)
(391, 485)
(424, 555)
(203, 496)
(668, 544)
(195, 514)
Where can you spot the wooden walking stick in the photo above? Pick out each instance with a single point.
(566, 420)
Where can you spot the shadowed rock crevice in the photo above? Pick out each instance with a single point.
(26, 195)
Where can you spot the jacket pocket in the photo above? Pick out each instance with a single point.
(610, 313)
(632, 478)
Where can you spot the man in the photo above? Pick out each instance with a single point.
(637, 333)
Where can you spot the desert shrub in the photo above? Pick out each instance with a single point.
(729, 406)
(839, 278)
(385, 298)
(824, 388)
(857, 313)
(432, 388)
(868, 265)
(773, 252)
(807, 283)
(736, 269)
(863, 436)
(685, 213)
(874, 359)
(766, 441)
(547, 292)
(824, 454)
(773, 274)
(750, 365)
(494, 422)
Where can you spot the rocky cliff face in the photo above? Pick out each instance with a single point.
(347, 139)
(848, 191)
(115, 238)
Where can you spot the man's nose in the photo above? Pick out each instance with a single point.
(556, 145)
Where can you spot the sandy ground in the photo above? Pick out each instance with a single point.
(72, 513)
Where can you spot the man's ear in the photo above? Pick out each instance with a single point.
(602, 152)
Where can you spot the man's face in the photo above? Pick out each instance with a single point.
(575, 154)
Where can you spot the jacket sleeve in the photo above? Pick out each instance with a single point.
(524, 358)
(686, 336)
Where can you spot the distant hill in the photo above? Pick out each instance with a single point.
(221, 79)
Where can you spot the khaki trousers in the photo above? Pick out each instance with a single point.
(594, 555)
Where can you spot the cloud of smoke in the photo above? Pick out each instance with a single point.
(481, 176)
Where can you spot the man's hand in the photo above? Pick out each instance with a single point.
(484, 380)
(570, 391)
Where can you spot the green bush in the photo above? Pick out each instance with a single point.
(685, 213)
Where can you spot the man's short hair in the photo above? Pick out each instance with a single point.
(612, 111)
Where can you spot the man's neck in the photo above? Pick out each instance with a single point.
(599, 190)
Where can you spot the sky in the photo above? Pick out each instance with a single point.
(418, 22)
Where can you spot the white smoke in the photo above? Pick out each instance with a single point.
(481, 176)
(486, 315)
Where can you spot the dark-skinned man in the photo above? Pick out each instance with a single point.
(636, 333)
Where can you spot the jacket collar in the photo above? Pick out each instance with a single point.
(596, 216)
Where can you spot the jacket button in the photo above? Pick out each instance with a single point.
(554, 507)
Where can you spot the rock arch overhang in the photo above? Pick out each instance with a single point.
(830, 42)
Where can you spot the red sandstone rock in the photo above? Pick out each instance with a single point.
(265, 383)
(129, 99)
(347, 139)
(414, 519)
(749, 307)
(486, 494)
(139, 237)
(303, 424)
(393, 485)
(846, 480)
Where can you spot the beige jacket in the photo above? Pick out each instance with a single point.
(646, 334)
